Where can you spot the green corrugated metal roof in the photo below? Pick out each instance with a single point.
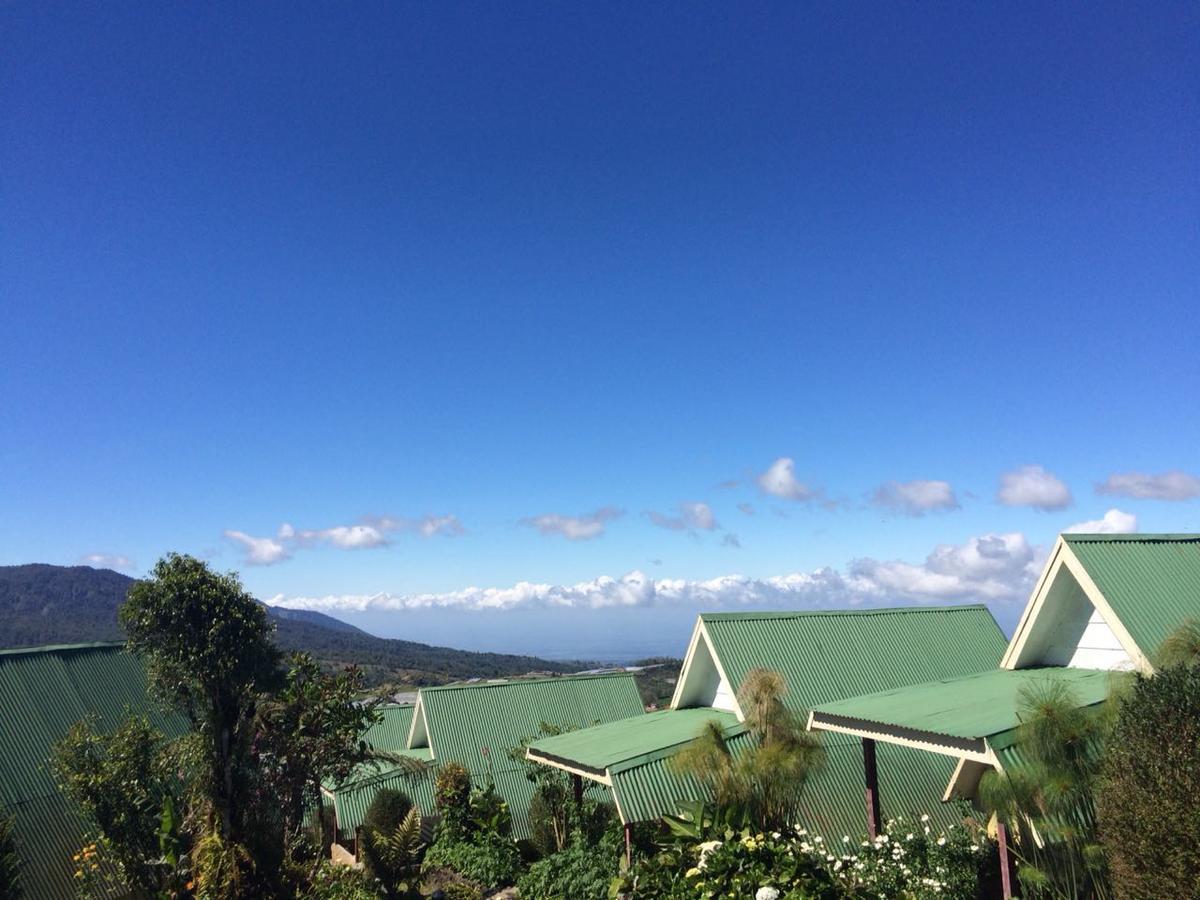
(1152, 581)
(827, 656)
(910, 784)
(971, 707)
(43, 692)
(353, 796)
(630, 742)
(391, 732)
(831, 655)
(497, 715)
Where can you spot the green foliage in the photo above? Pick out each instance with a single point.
(452, 794)
(462, 890)
(334, 882)
(208, 652)
(1047, 802)
(583, 871)
(10, 862)
(385, 817)
(1147, 797)
(486, 858)
(766, 781)
(307, 733)
(126, 784)
(387, 810)
(903, 862)
(553, 813)
(1181, 648)
(395, 855)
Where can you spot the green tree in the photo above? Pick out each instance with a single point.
(1149, 820)
(553, 814)
(208, 651)
(1047, 803)
(310, 732)
(765, 782)
(10, 862)
(123, 781)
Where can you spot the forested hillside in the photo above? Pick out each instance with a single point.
(44, 604)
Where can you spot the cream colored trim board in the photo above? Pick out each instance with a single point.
(604, 779)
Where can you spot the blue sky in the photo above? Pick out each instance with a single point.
(432, 285)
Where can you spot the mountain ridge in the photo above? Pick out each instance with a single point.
(44, 604)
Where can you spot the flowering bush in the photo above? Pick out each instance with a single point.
(904, 862)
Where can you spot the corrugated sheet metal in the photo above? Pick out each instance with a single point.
(43, 692)
(390, 733)
(828, 656)
(910, 784)
(350, 801)
(501, 716)
(1152, 581)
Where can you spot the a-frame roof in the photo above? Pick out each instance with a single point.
(1151, 581)
(1144, 586)
(829, 655)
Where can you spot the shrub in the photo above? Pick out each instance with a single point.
(452, 793)
(583, 871)
(334, 882)
(390, 849)
(1146, 801)
(462, 890)
(387, 810)
(486, 858)
(10, 862)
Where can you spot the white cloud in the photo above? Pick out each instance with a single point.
(108, 561)
(780, 481)
(260, 551)
(987, 568)
(574, 528)
(915, 498)
(370, 532)
(692, 516)
(1173, 485)
(1033, 486)
(1113, 522)
(993, 568)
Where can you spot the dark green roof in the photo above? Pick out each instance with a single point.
(43, 692)
(1151, 581)
(973, 707)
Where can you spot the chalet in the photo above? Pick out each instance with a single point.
(824, 656)
(476, 725)
(43, 692)
(1103, 604)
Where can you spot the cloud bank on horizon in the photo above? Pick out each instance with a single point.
(990, 568)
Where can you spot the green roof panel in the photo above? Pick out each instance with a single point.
(972, 707)
(831, 655)
(43, 692)
(621, 745)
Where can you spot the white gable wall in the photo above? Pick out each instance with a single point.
(1070, 631)
(702, 684)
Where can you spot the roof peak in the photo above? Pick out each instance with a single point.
(60, 648)
(872, 611)
(509, 682)
(1181, 537)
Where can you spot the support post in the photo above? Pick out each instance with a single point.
(1005, 863)
(577, 783)
(874, 816)
(628, 845)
